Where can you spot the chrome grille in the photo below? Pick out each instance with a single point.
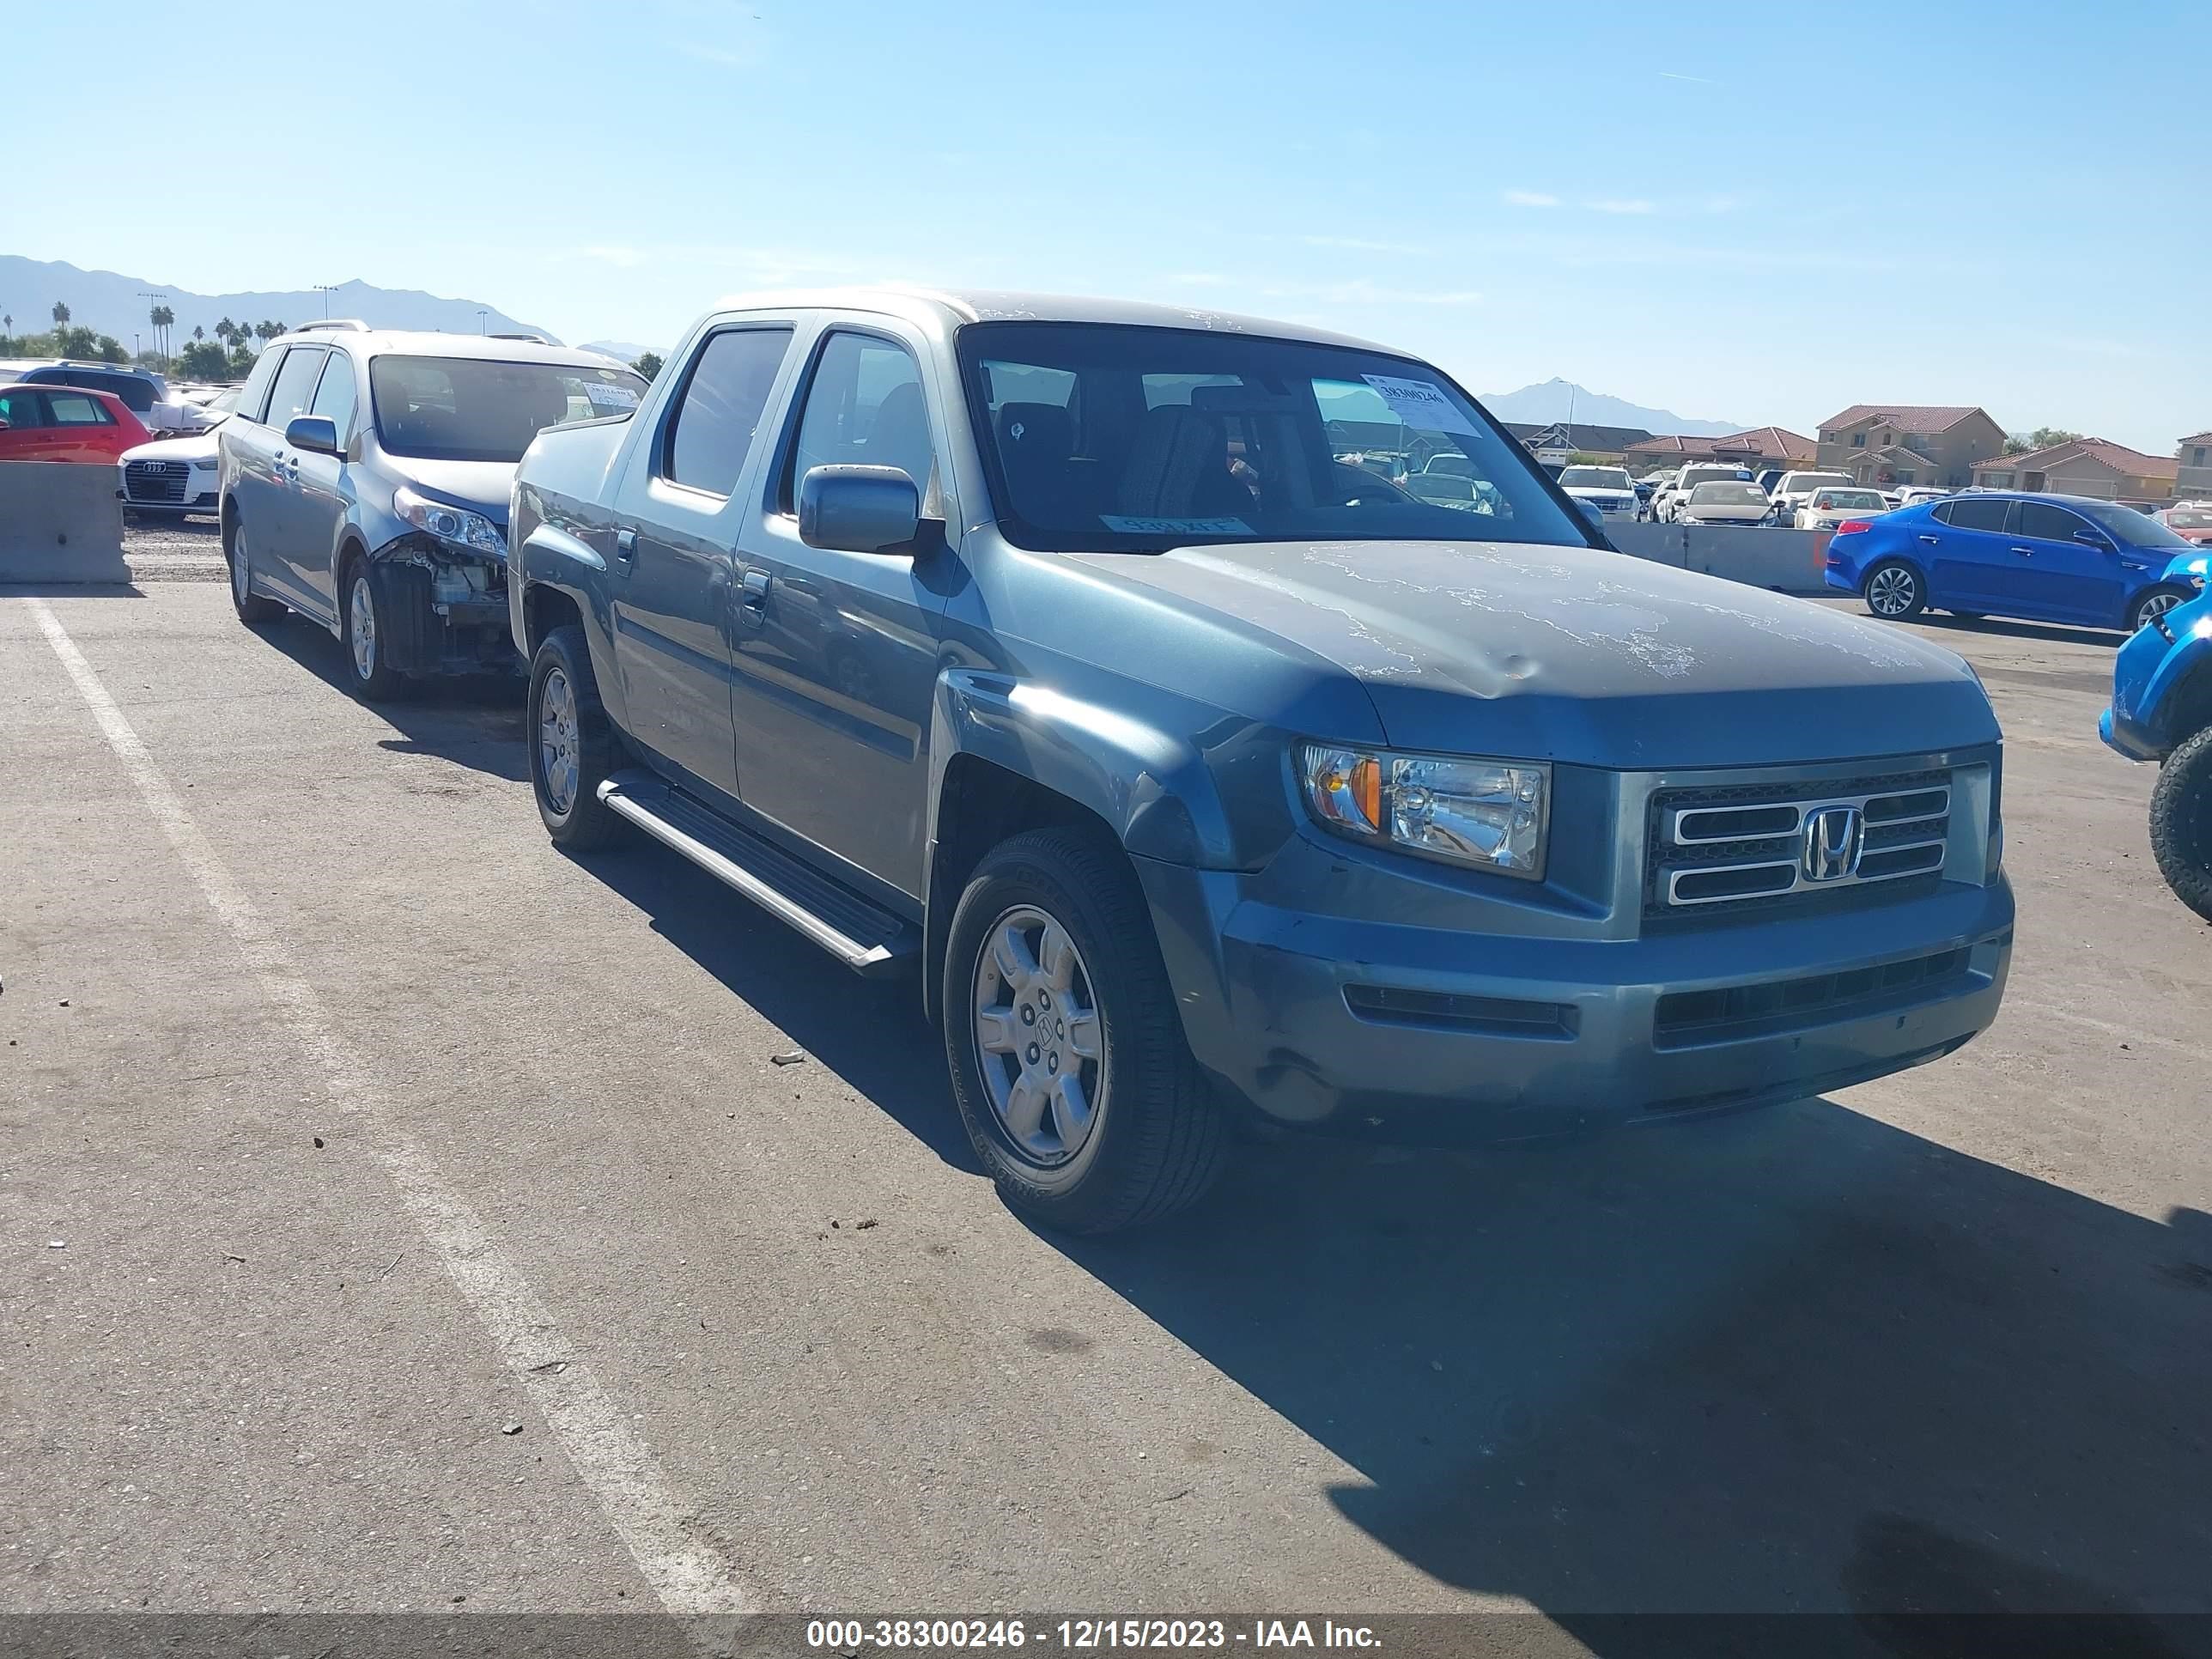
(161, 482)
(1714, 849)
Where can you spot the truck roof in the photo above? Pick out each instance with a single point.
(951, 306)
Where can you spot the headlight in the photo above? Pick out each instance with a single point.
(1489, 814)
(207, 464)
(456, 525)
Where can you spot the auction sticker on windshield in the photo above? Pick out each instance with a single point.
(1416, 403)
(1128, 526)
(609, 397)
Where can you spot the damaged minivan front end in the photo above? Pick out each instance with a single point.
(441, 586)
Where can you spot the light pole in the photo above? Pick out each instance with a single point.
(324, 290)
(480, 318)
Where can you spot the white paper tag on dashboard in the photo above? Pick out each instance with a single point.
(1130, 526)
(1417, 403)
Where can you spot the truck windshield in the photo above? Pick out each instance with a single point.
(1116, 438)
(472, 409)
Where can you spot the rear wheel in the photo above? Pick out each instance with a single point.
(1892, 590)
(1067, 1055)
(2181, 823)
(2155, 603)
(237, 553)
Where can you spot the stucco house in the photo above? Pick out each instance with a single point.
(2084, 466)
(1899, 444)
(1760, 447)
(2193, 468)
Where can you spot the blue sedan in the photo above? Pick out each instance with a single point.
(2047, 558)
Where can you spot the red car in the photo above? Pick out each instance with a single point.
(2191, 524)
(63, 423)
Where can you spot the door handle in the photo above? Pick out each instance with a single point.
(754, 596)
(2024, 552)
(625, 545)
(1930, 540)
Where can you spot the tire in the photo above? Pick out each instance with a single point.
(1155, 1136)
(361, 630)
(253, 610)
(2155, 602)
(572, 745)
(2181, 823)
(1892, 590)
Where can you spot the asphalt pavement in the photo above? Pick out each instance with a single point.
(402, 1215)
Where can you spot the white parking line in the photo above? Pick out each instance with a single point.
(689, 1573)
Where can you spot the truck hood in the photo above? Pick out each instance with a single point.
(480, 486)
(1582, 656)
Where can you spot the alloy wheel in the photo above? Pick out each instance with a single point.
(361, 624)
(1891, 591)
(559, 756)
(2155, 605)
(1039, 1042)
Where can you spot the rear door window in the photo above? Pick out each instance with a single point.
(711, 428)
(295, 385)
(1973, 513)
(67, 407)
(254, 398)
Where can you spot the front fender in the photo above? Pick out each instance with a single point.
(549, 556)
(2156, 684)
(1210, 793)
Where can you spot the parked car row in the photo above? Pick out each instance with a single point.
(159, 408)
(1052, 652)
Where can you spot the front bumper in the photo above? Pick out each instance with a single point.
(1435, 1034)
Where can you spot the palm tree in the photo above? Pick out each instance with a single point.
(162, 317)
(61, 315)
(198, 333)
(227, 331)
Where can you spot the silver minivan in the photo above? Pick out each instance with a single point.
(364, 481)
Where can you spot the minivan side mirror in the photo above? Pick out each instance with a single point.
(317, 434)
(858, 509)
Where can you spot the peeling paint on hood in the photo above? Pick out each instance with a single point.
(1580, 655)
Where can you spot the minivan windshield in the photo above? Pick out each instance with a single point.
(1128, 439)
(475, 409)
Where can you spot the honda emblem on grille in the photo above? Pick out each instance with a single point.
(1833, 838)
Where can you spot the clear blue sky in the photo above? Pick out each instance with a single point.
(1962, 203)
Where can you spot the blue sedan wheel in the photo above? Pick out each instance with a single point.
(1893, 591)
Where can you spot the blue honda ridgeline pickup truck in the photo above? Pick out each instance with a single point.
(1061, 650)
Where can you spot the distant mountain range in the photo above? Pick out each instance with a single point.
(1558, 400)
(108, 303)
(628, 350)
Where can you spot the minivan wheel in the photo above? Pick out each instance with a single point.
(2181, 823)
(1892, 590)
(572, 745)
(1068, 1056)
(2156, 603)
(362, 629)
(237, 553)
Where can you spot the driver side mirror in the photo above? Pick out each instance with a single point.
(858, 509)
(317, 434)
(1593, 512)
(2093, 538)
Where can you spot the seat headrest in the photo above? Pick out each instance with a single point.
(1035, 430)
(899, 435)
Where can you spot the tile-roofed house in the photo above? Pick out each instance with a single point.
(2193, 462)
(2084, 466)
(1899, 444)
(1761, 445)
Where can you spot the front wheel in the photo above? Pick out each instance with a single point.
(572, 746)
(2181, 823)
(2155, 603)
(362, 625)
(1892, 590)
(1067, 1055)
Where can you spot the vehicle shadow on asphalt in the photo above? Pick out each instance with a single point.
(1794, 1360)
(899, 1066)
(473, 720)
(2052, 633)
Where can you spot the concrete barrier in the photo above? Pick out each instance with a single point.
(60, 522)
(1786, 561)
